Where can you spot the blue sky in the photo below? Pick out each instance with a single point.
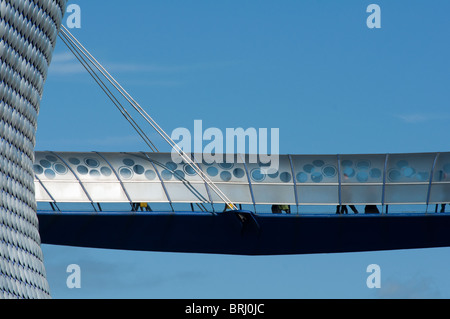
(313, 69)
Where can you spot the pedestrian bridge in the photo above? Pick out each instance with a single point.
(96, 179)
(376, 179)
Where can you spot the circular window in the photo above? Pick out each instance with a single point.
(189, 170)
(106, 171)
(171, 165)
(349, 172)
(91, 162)
(139, 169)
(285, 177)
(212, 171)
(83, 170)
(274, 175)
(225, 176)
(238, 172)
(150, 175)
(94, 173)
(74, 161)
(38, 169)
(316, 177)
(408, 171)
(329, 171)
(49, 173)
(308, 168)
(302, 177)
(45, 163)
(394, 175)
(60, 168)
(257, 175)
(128, 162)
(125, 172)
(166, 174)
(362, 176)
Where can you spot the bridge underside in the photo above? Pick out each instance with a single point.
(244, 233)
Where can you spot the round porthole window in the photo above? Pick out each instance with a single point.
(348, 172)
(125, 172)
(139, 169)
(150, 175)
(128, 162)
(394, 175)
(316, 177)
(49, 173)
(329, 171)
(189, 170)
(171, 165)
(74, 161)
(238, 172)
(285, 177)
(225, 176)
(302, 177)
(45, 163)
(91, 162)
(60, 169)
(106, 171)
(257, 175)
(308, 168)
(362, 176)
(166, 174)
(212, 171)
(94, 173)
(83, 170)
(38, 169)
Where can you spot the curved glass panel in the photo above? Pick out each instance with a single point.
(440, 187)
(317, 179)
(407, 178)
(362, 178)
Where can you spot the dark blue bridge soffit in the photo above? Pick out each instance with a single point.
(244, 233)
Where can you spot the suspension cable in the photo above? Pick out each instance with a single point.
(76, 46)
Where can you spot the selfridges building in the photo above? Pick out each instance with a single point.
(28, 31)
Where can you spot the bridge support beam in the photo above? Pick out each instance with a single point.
(228, 233)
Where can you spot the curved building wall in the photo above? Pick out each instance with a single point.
(28, 31)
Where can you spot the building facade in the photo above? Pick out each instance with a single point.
(28, 32)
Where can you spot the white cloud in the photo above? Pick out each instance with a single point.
(65, 63)
(422, 117)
